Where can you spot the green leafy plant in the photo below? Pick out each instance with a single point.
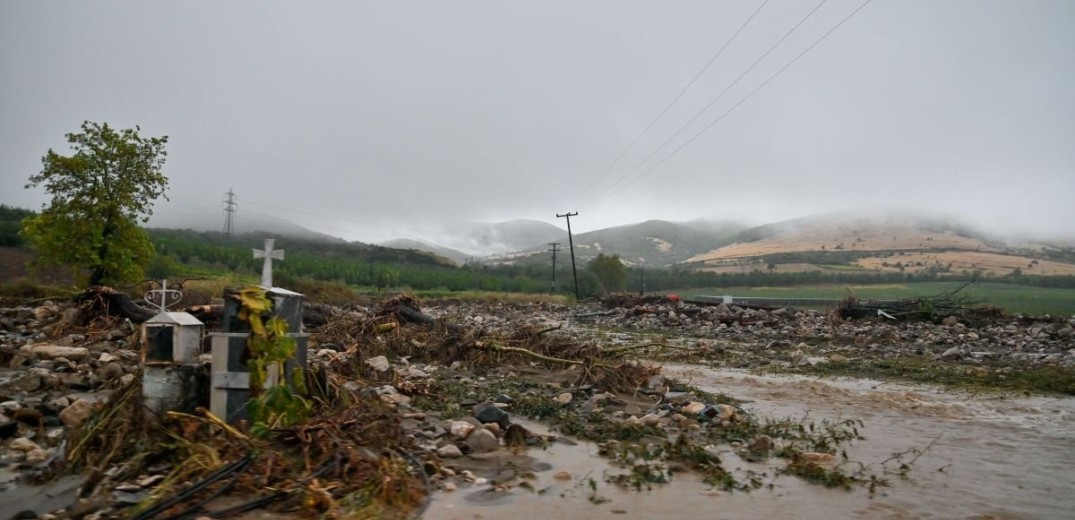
(280, 404)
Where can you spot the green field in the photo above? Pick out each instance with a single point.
(1020, 299)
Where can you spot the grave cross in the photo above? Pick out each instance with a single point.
(167, 297)
(269, 255)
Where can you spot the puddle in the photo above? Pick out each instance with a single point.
(991, 458)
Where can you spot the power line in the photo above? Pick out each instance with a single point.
(713, 101)
(748, 96)
(673, 102)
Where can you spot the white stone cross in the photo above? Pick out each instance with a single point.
(269, 255)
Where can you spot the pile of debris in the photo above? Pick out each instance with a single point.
(405, 395)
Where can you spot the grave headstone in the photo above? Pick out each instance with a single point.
(230, 378)
(171, 343)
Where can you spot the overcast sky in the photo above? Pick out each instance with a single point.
(370, 120)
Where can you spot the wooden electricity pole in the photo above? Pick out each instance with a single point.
(554, 250)
(571, 245)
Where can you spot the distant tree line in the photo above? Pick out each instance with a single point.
(10, 223)
(188, 253)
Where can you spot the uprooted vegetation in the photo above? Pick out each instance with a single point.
(385, 385)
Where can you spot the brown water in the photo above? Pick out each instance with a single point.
(991, 458)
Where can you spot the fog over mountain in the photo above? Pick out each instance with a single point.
(380, 120)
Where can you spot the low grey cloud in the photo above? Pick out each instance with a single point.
(374, 120)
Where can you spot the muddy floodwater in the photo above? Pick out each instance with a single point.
(988, 457)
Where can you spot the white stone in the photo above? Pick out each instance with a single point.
(563, 398)
(460, 429)
(449, 451)
(45, 351)
(693, 407)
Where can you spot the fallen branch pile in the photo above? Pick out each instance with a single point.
(928, 308)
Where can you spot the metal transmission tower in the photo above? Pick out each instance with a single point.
(229, 213)
(554, 250)
(571, 245)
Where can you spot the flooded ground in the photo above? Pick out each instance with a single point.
(988, 457)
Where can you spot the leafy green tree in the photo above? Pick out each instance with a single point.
(610, 272)
(99, 194)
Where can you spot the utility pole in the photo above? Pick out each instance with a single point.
(571, 245)
(554, 250)
(229, 213)
(642, 277)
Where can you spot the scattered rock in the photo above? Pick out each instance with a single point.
(23, 444)
(651, 419)
(26, 383)
(461, 429)
(693, 408)
(76, 413)
(562, 475)
(44, 351)
(490, 413)
(563, 398)
(676, 397)
(482, 441)
(110, 371)
(37, 456)
(449, 451)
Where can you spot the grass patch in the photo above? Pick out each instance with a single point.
(492, 297)
(1022, 299)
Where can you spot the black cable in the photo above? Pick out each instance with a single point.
(759, 87)
(268, 499)
(670, 103)
(713, 101)
(223, 471)
(197, 506)
(748, 96)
